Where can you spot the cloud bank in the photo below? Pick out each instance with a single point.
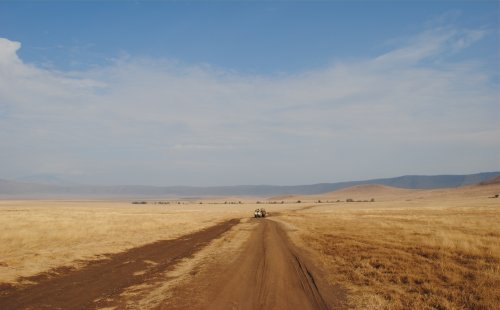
(414, 109)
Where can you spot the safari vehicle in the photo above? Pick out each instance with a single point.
(260, 213)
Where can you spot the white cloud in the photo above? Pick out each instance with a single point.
(167, 123)
(430, 44)
(8, 51)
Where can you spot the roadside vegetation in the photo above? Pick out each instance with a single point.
(407, 254)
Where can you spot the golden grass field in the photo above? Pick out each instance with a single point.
(424, 250)
(409, 249)
(37, 236)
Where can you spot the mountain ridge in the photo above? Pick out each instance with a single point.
(16, 189)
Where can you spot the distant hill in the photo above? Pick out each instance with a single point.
(364, 192)
(47, 179)
(495, 180)
(17, 189)
(369, 190)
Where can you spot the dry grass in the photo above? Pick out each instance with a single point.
(421, 250)
(37, 236)
(435, 253)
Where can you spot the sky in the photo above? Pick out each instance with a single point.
(208, 93)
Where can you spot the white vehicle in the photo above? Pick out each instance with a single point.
(260, 213)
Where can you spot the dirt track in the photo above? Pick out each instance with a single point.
(270, 273)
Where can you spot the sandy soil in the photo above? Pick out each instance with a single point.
(269, 273)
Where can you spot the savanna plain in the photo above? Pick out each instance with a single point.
(386, 248)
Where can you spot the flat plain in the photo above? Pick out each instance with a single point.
(437, 249)
(387, 249)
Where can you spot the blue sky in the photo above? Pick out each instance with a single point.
(245, 36)
(223, 93)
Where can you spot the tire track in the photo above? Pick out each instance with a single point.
(270, 273)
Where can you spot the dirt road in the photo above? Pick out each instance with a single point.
(269, 273)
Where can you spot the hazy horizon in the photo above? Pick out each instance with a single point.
(220, 93)
(57, 181)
